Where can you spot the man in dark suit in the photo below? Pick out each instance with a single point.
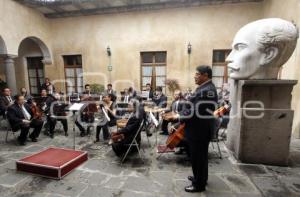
(55, 111)
(5, 101)
(131, 128)
(20, 116)
(87, 90)
(159, 98)
(199, 125)
(48, 86)
(148, 88)
(176, 106)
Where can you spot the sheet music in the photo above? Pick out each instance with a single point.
(154, 120)
(145, 94)
(76, 106)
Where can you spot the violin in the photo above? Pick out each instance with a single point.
(117, 137)
(36, 111)
(221, 111)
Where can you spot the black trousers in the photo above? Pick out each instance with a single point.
(105, 131)
(36, 124)
(52, 124)
(120, 148)
(199, 159)
(81, 128)
(164, 126)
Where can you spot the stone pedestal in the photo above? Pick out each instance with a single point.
(261, 121)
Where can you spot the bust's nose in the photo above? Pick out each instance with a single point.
(229, 58)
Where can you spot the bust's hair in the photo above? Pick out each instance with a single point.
(278, 33)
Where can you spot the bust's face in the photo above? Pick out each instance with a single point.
(245, 58)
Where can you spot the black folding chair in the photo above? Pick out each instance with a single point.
(134, 143)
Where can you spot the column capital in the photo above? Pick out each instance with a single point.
(9, 57)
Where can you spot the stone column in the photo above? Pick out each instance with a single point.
(10, 74)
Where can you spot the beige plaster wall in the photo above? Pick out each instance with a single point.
(289, 10)
(128, 34)
(18, 22)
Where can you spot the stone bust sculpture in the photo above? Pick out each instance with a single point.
(260, 48)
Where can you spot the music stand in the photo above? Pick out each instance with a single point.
(75, 108)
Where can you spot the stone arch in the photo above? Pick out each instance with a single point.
(3, 49)
(43, 47)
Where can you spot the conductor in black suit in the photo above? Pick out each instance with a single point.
(20, 116)
(199, 126)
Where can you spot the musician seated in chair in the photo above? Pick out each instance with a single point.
(55, 111)
(176, 106)
(104, 123)
(5, 101)
(159, 98)
(21, 117)
(129, 131)
(86, 116)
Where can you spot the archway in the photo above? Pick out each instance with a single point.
(3, 49)
(3, 52)
(44, 49)
(33, 54)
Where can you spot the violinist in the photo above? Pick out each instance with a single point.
(55, 111)
(6, 100)
(27, 96)
(104, 124)
(21, 117)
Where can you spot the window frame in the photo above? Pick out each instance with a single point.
(74, 67)
(153, 64)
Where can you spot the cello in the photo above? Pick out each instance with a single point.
(175, 138)
(177, 135)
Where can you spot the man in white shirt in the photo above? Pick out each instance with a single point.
(21, 117)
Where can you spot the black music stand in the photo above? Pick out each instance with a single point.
(76, 107)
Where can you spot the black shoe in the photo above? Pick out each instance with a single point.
(33, 139)
(66, 134)
(180, 151)
(149, 134)
(193, 189)
(51, 135)
(97, 140)
(22, 143)
(82, 134)
(191, 178)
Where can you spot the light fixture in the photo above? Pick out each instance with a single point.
(108, 51)
(189, 50)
